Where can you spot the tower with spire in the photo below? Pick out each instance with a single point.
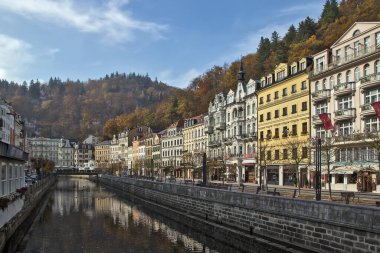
(241, 72)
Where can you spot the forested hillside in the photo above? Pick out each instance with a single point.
(106, 106)
(75, 109)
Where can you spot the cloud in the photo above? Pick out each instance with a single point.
(15, 57)
(109, 20)
(181, 80)
(53, 51)
(316, 6)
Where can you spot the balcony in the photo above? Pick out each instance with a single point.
(228, 141)
(345, 114)
(345, 60)
(209, 129)
(321, 95)
(214, 143)
(344, 88)
(367, 110)
(317, 120)
(252, 135)
(370, 81)
(220, 126)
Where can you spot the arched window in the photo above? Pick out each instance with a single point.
(248, 128)
(366, 70)
(324, 84)
(248, 110)
(348, 76)
(317, 86)
(339, 78)
(357, 74)
(332, 82)
(249, 151)
(377, 68)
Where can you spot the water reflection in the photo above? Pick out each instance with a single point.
(83, 217)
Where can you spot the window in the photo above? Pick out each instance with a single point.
(276, 114)
(284, 111)
(304, 128)
(294, 69)
(357, 74)
(366, 70)
(345, 103)
(320, 63)
(277, 154)
(303, 65)
(285, 154)
(321, 108)
(339, 79)
(332, 82)
(377, 39)
(269, 155)
(284, 92)
(303, 85)
(317, 88)
(261, 135)
(276, 133)
(324, 84)
(284, 131)
(345, 129)
(304, 152)
(320, 132)
(347, 53)
(338, 56)
(372, 124)
(261, 100)
(348, 76)
(304, 106)
(366, 44)
(294, 129)
(356, 48)
(261, 117)
(294, 109)
(268, 98)
(228, 117)
(294, 88)
(280, 75)
(294, 153)
(377, 69)
(268, 115)
(248, 109)
(372, 96)
(276, 95)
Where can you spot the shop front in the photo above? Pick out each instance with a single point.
(273, 174)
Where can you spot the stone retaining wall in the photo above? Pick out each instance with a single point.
(311, 225)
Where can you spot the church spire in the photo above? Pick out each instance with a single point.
(241, 72)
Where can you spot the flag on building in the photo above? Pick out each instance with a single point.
(326, 121)
(376, 106)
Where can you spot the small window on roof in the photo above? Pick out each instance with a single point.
(356, 32)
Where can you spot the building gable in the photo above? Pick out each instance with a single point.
(356, 29)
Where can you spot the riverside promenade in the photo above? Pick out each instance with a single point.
(242, 218)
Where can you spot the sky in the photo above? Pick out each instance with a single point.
(173, 40)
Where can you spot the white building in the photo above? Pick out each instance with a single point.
(65, 155)
(345, 81)
(171, 149)
(47, 148)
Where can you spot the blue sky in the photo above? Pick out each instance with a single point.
(173, 40)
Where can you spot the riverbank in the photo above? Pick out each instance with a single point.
(12, 232)
(237, 218)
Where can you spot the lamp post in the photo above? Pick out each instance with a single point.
(318, 160)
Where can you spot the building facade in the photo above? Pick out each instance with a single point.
(345, 82)
(171, 149)
(65, 154)
(102, 154)
(284, 124)
(47, 148)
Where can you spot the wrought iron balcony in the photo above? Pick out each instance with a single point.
(370, 81)
(345, 114)
(321, 95)
(344, 88)
(367, 110)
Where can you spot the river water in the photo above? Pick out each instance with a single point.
(82, 216)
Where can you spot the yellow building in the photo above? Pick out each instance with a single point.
(102, 154)
(284, 123)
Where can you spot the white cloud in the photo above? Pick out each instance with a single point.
(53, 51)
(314, 6)
(15, 57)
(109, 20)
(181, 80)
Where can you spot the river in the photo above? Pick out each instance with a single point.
(81, 216)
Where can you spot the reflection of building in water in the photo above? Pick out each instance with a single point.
(118, 210)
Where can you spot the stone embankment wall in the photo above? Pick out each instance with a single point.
(13, 231)
(301, 224)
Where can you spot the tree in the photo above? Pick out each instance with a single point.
(330, 13)
(306, 28)
(299, 155)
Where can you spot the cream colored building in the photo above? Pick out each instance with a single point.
(345, 81)
(102, 154)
